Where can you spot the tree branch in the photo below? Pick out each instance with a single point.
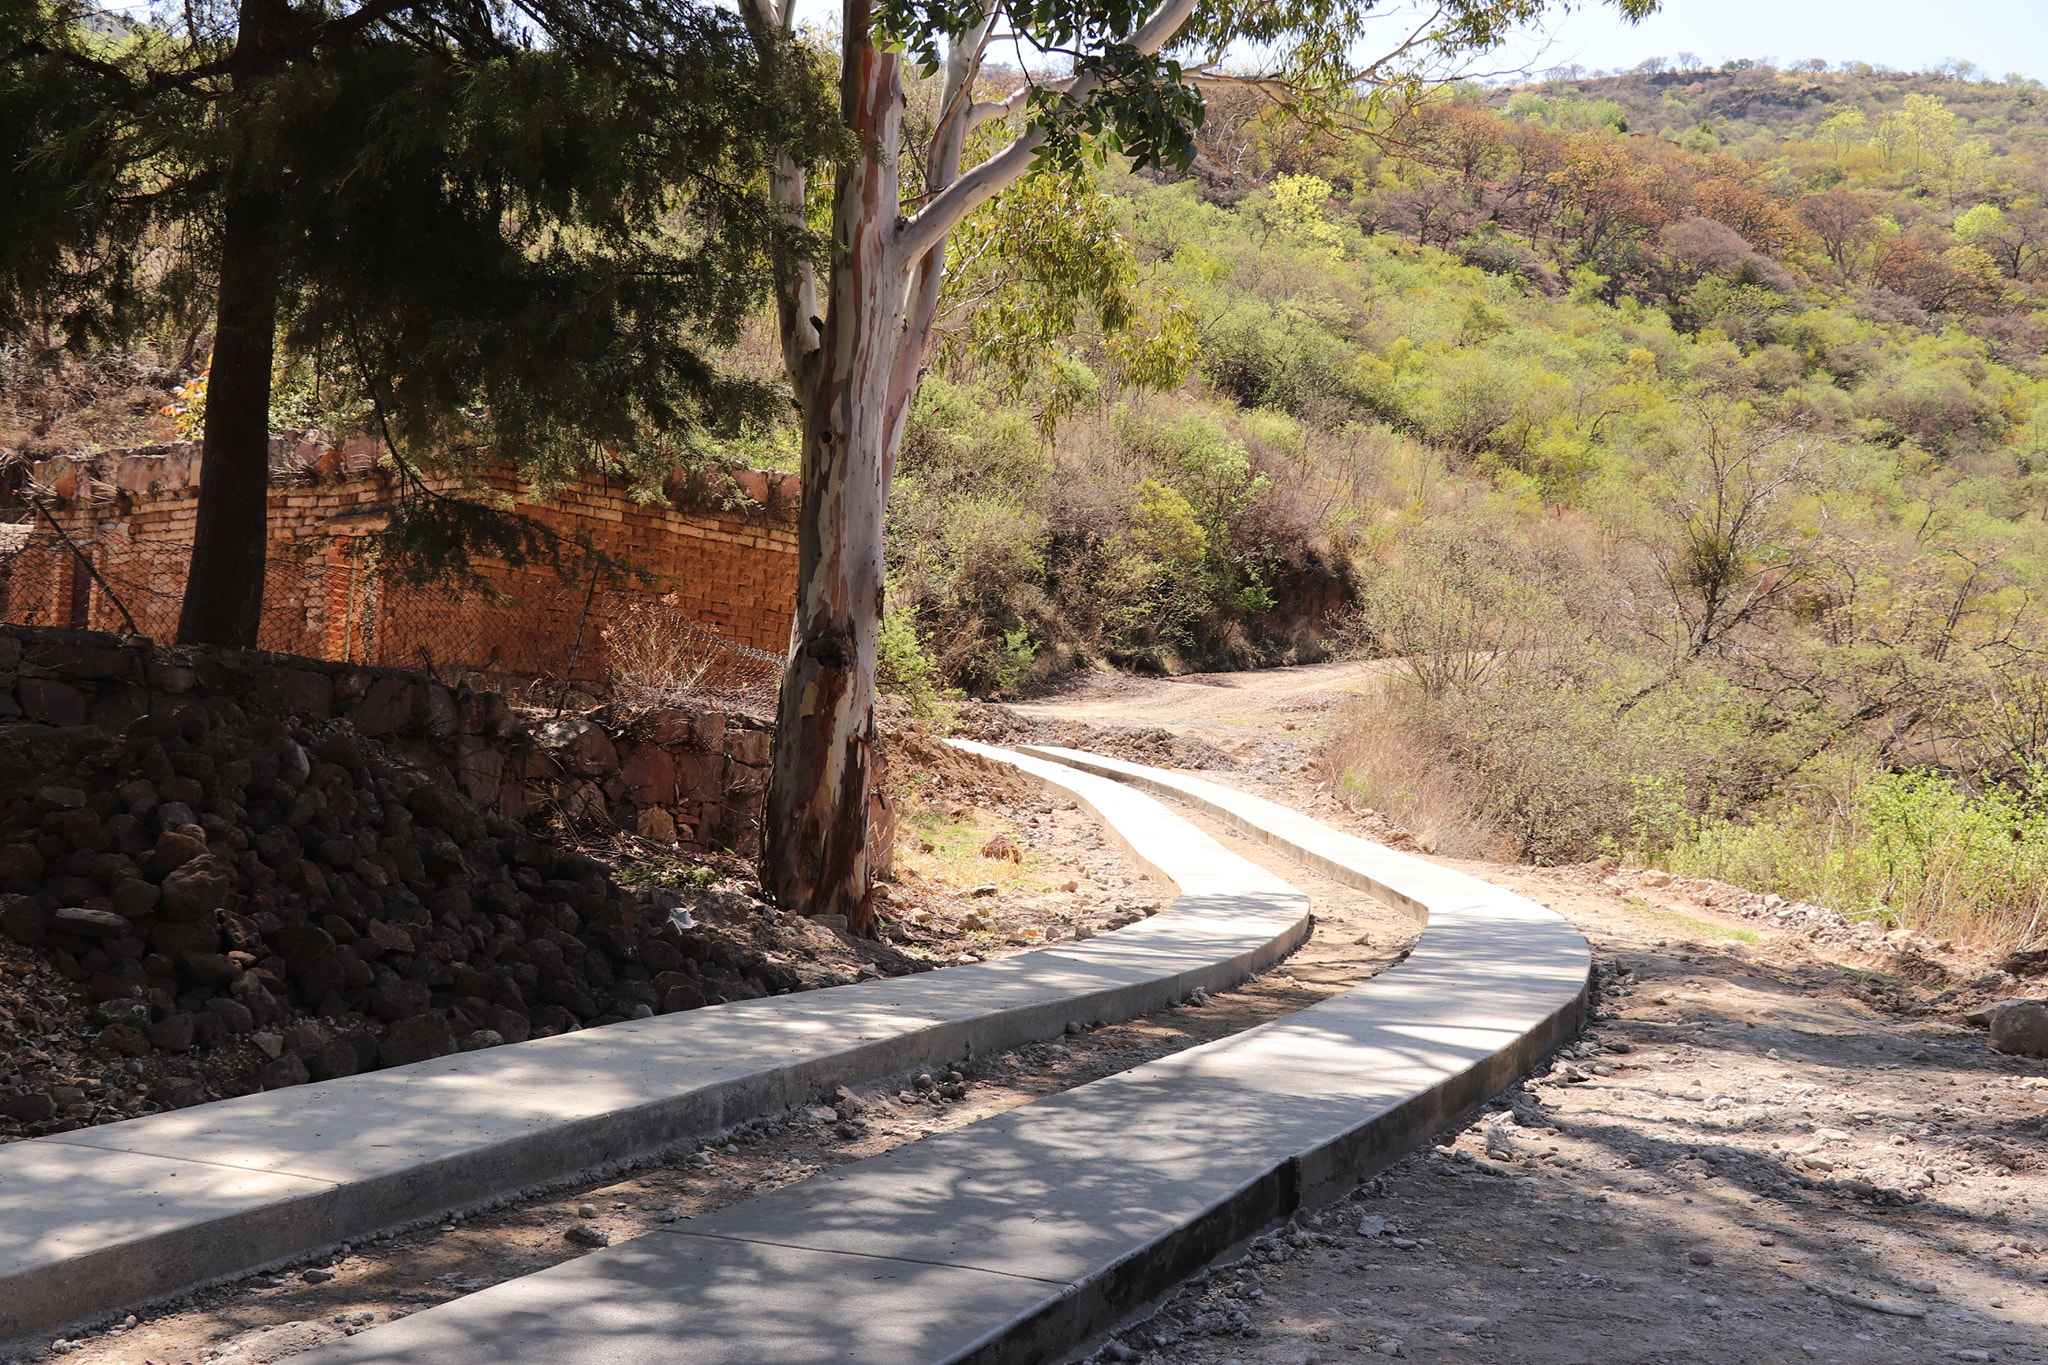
(944, 210)
(796, 281)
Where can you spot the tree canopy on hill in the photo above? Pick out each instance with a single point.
(1099, 77)
(1698, 541)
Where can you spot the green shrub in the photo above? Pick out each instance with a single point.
(1908, 848)
(903, 666)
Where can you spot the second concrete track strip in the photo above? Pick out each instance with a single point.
(1023, 1235)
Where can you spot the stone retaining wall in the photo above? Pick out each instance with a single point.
(688, 774)
(342, 858)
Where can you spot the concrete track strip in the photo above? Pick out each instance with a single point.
(1021, 1236)
(99, 1220)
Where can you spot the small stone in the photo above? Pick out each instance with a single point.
(77, 919)
(317, 1276)
(1700, 1256)
(286, 1071)
(586, 1210)
(269, 1044)
(1372, 1225)
(985, 889)
(173, 1032)
(418, 1039)
(1974, 1355)
(1391, 1346)
(584, 1235)
(32, 1108)
(123, 1039)
(177, 848)
(197, 889)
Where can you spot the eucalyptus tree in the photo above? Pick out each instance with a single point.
(514, 229)
(1099, 77)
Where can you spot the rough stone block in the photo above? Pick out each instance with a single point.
(386, 708)
(306, 694)
(52, 702)
(650, 775)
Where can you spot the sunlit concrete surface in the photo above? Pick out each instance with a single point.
(1022, 1235)
(97, 1220)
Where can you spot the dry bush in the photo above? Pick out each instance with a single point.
(1381, 757)
(82, 403)
(653, 652)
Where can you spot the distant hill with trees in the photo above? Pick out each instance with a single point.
(1685, 430)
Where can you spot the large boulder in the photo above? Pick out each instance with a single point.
(2021, 1028)
(578, 745)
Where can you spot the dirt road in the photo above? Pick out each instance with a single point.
(1780, 1142)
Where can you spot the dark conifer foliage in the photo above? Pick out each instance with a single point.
(514, 231)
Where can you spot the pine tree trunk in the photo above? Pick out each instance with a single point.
(814, 856)
(224, 585)
(224, 590)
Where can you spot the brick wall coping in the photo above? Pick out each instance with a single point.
(140, 472)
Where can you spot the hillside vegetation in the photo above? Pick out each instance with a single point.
(1680, 436)
(1680, 433)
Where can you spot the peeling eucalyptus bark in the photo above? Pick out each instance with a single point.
(854, 368)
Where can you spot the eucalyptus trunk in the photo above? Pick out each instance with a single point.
(814, 855)
(854, 368)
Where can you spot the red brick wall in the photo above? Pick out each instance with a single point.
(726, 562)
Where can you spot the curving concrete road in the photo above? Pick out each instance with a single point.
(95, 1221)
(1019, 1237)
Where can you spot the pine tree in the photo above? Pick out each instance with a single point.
(514, 233)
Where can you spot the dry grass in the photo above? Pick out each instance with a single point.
(1377, 758)
(653, 652)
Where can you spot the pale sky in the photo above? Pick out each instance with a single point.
(2000, 36)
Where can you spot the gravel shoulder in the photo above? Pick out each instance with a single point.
(1748, 1158)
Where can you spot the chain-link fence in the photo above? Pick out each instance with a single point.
(529, 634)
